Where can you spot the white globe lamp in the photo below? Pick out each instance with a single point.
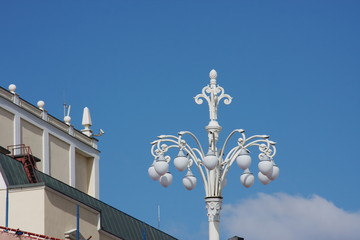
(166, 179)
(263, 178)
(153, 174)
(161, 166)
(210, 160)
(275, 173)
(247, 178)
(189, 181)
(181, 161)
(244, 159)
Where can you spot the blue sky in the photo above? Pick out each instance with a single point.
(292, 67)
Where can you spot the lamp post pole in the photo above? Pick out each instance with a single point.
(213, 165)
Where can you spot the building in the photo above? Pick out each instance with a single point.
(49, 177)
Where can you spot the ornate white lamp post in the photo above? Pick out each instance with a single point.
(214, 164)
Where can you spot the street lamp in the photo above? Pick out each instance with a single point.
(213, 165)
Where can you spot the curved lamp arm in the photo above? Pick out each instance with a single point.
(194, 137)
(162, 148)
(228, 138)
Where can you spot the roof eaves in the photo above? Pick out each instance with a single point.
(113, 221)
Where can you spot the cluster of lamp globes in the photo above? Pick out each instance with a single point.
(159, 170)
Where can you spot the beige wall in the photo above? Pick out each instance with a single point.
(92, 179)
(42, 210)
(32, 136)
(59, 159)
(61, 212)
(26, 209)
(6, 128)
(2, 207)
(83, 171)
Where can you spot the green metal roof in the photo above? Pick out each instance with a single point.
(113, 220)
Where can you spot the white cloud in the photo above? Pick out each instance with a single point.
(284, 217)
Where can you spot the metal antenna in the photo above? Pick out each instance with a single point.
(66, 107)
(68, 112)
(158, 218)
(67, 117)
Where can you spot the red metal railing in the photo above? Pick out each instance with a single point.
(23, 154)
(28, 234)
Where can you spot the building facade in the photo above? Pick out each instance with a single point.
(49, 177)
